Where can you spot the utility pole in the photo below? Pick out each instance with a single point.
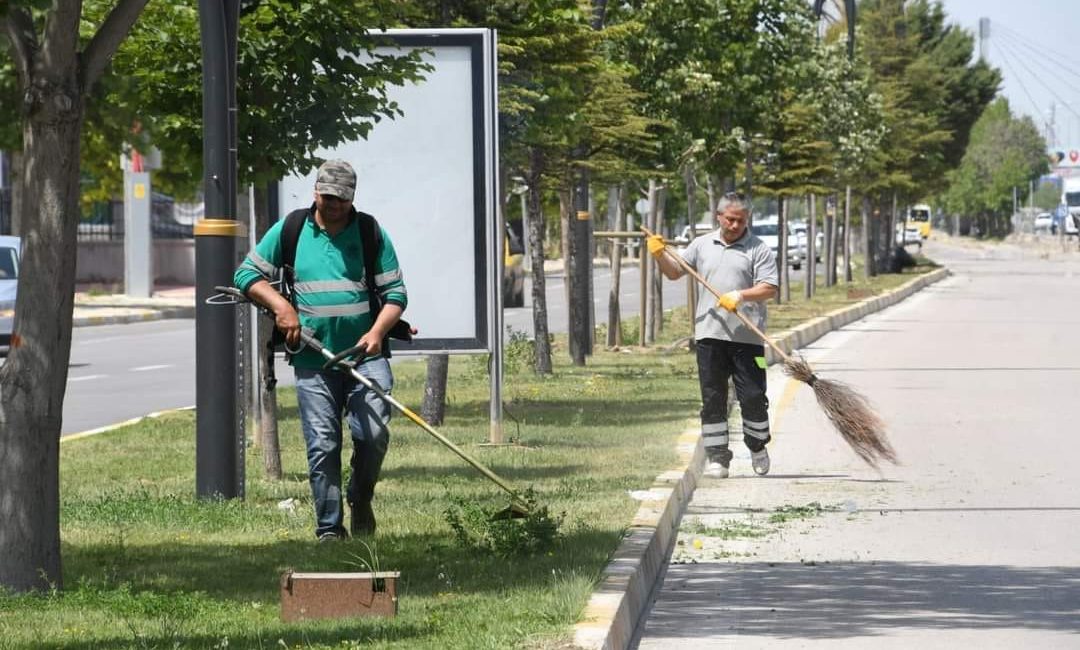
(984, 37)
(219, 441)
(1051, 135)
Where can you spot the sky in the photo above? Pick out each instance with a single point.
(1030, 42)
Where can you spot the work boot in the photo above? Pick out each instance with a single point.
(760, 461)
(363, 518)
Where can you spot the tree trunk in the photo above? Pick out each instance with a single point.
(16, 192)
(567, 252)
(847, 235)
(536, 246)
(648, 318)
(690, 180)
(830, 241)
(868, 239)
(34, 376)
(614, 329)
(890, 236)
(53, 79)
(811, 253)
(266, 422)
(784, 295)
(433, 408)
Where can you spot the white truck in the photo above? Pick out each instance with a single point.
(1070, 200)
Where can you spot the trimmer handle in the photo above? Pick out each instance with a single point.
(355, 351)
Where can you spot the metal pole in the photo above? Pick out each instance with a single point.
(218, 447)
(496, 238)
(643, 256)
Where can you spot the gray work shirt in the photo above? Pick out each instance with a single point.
(727, 267)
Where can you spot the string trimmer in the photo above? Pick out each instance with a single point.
(849, 412)
(518, 507)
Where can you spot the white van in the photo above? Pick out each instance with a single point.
(1070, 200)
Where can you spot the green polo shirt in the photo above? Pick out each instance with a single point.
(331, 294)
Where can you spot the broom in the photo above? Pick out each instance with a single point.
(850, 413)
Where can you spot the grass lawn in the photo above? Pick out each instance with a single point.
(147, 565)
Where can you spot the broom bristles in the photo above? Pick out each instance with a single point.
(850, 413)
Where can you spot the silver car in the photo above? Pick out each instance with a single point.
(9, 282)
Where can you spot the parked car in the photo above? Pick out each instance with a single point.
(909, 234)
(767, 229)
(10, 248)
(702, 228)
(798, 237)
(1044, 222)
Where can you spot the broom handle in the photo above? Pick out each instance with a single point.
(746, 321)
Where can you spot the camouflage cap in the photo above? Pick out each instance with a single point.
(336, 177)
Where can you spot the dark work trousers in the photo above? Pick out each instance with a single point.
(718, 360)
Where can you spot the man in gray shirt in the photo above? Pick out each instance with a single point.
(734, 261)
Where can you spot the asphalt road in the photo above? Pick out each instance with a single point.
(521, 320)
(118, 372)
(970, 542)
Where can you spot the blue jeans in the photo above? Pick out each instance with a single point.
(323, 396)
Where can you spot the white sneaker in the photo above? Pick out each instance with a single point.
(716, 470)
(760, 461)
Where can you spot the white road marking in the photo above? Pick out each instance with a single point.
(156, 367)
(86, 377)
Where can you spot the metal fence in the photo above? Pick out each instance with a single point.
(168, 220)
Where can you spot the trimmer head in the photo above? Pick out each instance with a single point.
(516, 510)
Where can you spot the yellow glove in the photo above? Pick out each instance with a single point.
(655, 244)
(730, 300)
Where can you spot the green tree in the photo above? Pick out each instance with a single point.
(931, 93)
(300, 86)
(1004, 152)
(564, 104)
(1047, 196)
(58, 58)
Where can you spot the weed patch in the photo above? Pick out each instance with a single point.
(485, 529)
(728, 530)
(784, 514)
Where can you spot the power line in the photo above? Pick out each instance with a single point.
(1026, 41)
(1019, 79)
(1043, 60)
(1048, 87)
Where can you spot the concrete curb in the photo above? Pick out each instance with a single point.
(614, 610)
(86, 316)
(612, 614)
(812, 330)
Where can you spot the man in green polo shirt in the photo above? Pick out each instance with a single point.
(734, 261)
(332, 300)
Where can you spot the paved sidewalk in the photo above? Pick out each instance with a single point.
(110, 309)
(961, 545)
